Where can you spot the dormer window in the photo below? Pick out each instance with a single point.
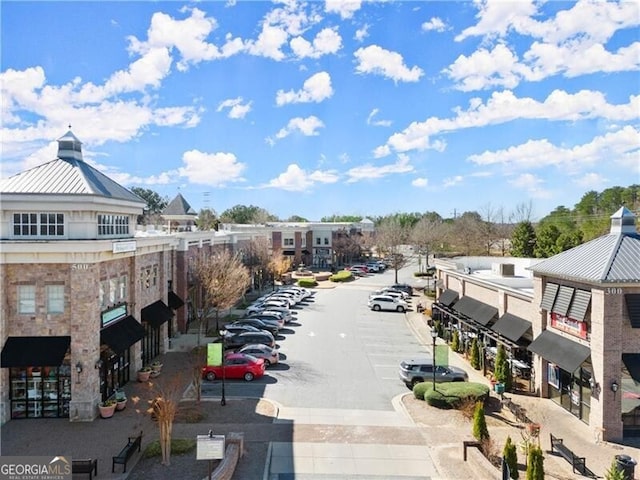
(38, 224)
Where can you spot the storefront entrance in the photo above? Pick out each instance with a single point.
(571, 391)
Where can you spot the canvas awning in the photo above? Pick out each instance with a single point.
(632, 362)
(476, 310)
(448, 297)
(633, 308)
(175, 301)
(156, 314)
(34, 351)
(123, 334)
(554, 348)
(511, 327)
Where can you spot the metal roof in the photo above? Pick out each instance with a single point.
(179, 206)
(610, 258)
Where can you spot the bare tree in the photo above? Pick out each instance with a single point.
(256, 257)
(521, 213)
(279, 265)
(391, 237)
(347, 246)
(466, 232)
(220, 281)
(425, 236)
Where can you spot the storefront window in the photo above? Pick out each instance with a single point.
(40, 392)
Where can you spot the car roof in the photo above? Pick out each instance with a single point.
(418, 361)
(259, 346)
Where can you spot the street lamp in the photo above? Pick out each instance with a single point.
(434, 335)
(223, 400)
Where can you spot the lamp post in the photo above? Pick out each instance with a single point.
(434, 335)
(223, 400)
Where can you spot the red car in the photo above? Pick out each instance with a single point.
(236, 365)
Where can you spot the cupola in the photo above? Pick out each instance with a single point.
(69, 147)
(623, 222)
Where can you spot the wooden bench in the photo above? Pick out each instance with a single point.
(85, 465)
(577, 463)
(133, 444)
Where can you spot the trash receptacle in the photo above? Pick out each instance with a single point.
(627, 465)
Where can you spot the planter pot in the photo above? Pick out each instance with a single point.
(156, 368)
(533, 429)
(121, 404)
(144, 376)
(107, 412)
(154, 373)
(499, 387)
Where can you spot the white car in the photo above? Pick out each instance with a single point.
(394, 291)
(386, 302)
(258, 306)
(391, 293)
(306, 293)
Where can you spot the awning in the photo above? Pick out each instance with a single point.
(632, 362)
(175, 301)
(511, 327)
(156, 314)
(34, 351)
(633, 308)
(549, 296)
(448, 297)
(123, 334)
(580, 305)
(289, 253)
(561, 306)
(566, 353)
(476, 310)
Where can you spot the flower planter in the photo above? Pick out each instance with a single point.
(143, 375)
(156, 367)
(121, 404)
(533, 429)
(499, 388)
(107, 411)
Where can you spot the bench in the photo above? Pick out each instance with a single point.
(577, 463)
(85, 465)
(133, 444)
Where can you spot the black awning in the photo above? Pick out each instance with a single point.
(289, 253)
(563, 300)
(34, 351)
(123, 334)
(476, 310)
(566, 353)
(448, 297)
(511, 327)
(632, 362)
(549, 296)
(580, 305)
(633, 308)
(156, 314)
(175, 301)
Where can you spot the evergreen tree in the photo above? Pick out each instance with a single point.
(614, 473)
(523, 240)
(502, 368)
(455, 341)
(480, 431)
(475, 354)
(535, 466)
(510, 455)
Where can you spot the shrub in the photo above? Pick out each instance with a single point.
(502, 368)
(535, 466)
(475, 354)
(307, 282)
(455, 341)
(480, 431)
(510, 455)
(451, 395)
(614, 473)
(179, 446)
(341, 276)
(423, 274)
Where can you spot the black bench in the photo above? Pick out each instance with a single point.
(133, 444)
(577, 463)
(85, 465)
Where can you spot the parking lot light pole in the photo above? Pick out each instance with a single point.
(434, 335)
(223, 400)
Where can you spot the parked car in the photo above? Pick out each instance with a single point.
(306, 293)
(359, 272)
(360, 266)
(285, 311)
(268, 303)
(421, 370)
(269, 318)
(386, 302)
(405, 287)
(239, 328)
(374, 267)
(284, 316)
(272, 328)
(393, 293)
(268, 354)
(236, 365)
(241, 339)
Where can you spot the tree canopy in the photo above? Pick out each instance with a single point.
(247, 215)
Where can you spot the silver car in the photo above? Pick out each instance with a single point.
(270, 355)
(421, 370)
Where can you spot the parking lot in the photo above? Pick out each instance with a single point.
(337, 353)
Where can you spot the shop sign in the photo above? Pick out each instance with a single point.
(209, 447)
(569, 325)
(113, 315)
(122, 247)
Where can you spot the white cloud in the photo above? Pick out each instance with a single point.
(452, 181)
(328, 41)
(420, 182)
(315, 89)
(435, 24)
(377, 123)
(502, 107)
(307, 126)
(295, 179)
(590, 181)
(496, 17)
(269, 43)
(376, 60)
(541, 153)
(369, 171)
(532, 184)
(361, 33)
(216, 169)
(346, 8)
(237, 109)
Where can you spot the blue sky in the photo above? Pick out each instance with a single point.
(336, 107)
